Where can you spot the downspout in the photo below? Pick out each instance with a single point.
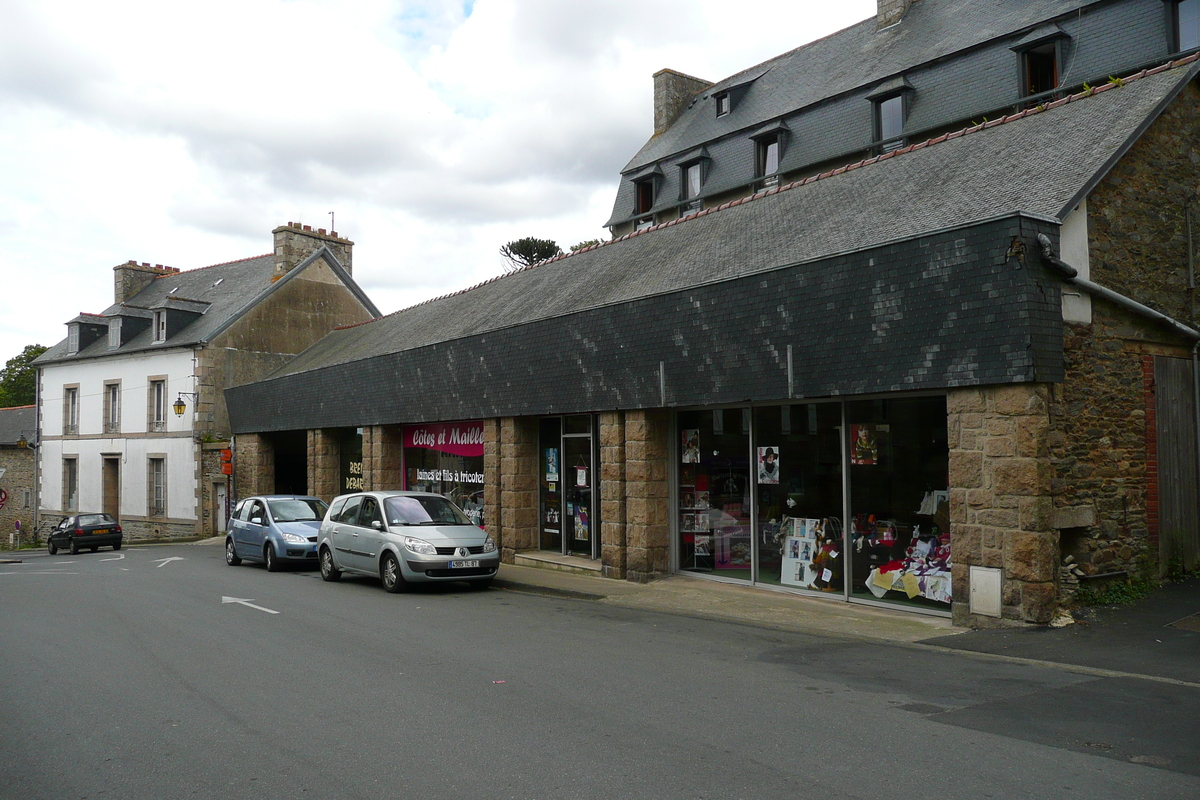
(1071, 275)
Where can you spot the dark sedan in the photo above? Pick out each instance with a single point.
(92, 531)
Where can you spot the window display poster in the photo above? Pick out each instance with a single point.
(704, 545)
(864, 447)
(552, 464)
(768, 465)
(581, 524)
(691, 446)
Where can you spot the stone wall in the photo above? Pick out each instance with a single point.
(491, 480)
(1000, 499)
(17, 483)
(518, 485)
(612, 494)
(324, 464)
(383, 447)
(211, 474)
(254, 465)
(647, 508)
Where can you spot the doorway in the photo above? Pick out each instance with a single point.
(568, 523)
(220, 512)
(111, 487)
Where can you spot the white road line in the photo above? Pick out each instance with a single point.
(117, 557)
(246, 602)
(162, 562)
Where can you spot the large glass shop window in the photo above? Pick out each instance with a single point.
(899, 503)
(798, 453)
(714, 493)
(447, 458)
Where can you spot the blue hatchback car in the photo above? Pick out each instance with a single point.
(274, 529)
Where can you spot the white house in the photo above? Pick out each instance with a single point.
(110, 395)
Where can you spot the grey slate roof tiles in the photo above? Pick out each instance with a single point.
(1037, 163)
(18, 421)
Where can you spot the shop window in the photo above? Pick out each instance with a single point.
(899, 526)
(1039, 69)
(715, 488)
(1186, 24)
(447, 458)
(889, 122)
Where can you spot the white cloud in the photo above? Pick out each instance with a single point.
(436, 131)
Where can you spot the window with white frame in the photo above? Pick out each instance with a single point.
(158, 405)
(70, 410)
(767, 159)
(157, 474)
(70, 484)
(112, 407)
(160, 326)
(72, 339)
(114, 332)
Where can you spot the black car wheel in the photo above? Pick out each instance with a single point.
(328, 571)
(51, 546)
(389, 573)
(117, 546)
(94, 548)
(231, 556)
(269, 557)
(74, 547)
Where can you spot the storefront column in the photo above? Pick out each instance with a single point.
(491, 480)
(324, 469)
(254, 470)
(1000, 500)
(518, 485)
(382, 445)
(646, 508)
(612, 494)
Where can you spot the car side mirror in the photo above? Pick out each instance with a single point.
(376, 524)
(257, 520)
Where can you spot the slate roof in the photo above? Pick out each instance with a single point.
(228, 289)
(16, 421)
(1041, 163)
(851, 58)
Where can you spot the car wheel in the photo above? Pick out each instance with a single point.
(389, 573)
(117, 546)
(329, 572)
(94, 548)
(51, 546)
(273, 564)
(231, 556)
(74, 547)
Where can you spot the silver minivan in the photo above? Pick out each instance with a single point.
(402, 538)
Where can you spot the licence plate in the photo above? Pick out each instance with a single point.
(462, 564)
(101, 530)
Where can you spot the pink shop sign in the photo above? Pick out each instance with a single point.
(458, 438)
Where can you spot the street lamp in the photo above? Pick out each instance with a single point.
(179, 407)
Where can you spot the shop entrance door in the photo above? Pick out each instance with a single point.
(567, 518)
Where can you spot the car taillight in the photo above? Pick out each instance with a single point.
(118, 529)
(78, 531)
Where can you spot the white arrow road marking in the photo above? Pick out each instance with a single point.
(246, 602)
(164, 561)
(117, 557)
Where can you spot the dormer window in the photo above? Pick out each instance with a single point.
(114, 332)
(160, 326)
(767, 157)
(723, 104)
(643, 201)
(72, 339)
(1185, 23)
(1039, 69)
(890, 113)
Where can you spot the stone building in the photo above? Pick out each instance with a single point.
(131, 410)
(18, 440)
(904, 316)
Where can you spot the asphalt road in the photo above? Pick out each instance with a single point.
(125, 675)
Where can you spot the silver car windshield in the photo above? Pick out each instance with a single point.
(296, 510)
(423, 510)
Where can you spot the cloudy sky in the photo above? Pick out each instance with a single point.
(435, 130)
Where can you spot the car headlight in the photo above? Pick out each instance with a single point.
(292, 538)
(419, 546)
(488, 545)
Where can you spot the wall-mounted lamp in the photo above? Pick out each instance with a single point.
(179, 407)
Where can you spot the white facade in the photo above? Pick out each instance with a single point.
(144, 428)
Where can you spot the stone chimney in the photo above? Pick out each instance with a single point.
(295, 242)
(131, 277)
(890, 12)
(672, 93)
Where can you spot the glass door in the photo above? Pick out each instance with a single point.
(550, 507)
(579, 479)
(715, 493)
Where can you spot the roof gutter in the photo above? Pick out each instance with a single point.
(1071, 275)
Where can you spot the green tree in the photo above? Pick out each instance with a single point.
(528, 251)
(583, 244)
(18, 378)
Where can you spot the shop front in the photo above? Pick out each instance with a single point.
(846, 498)
(447, 458)
(567, 508)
